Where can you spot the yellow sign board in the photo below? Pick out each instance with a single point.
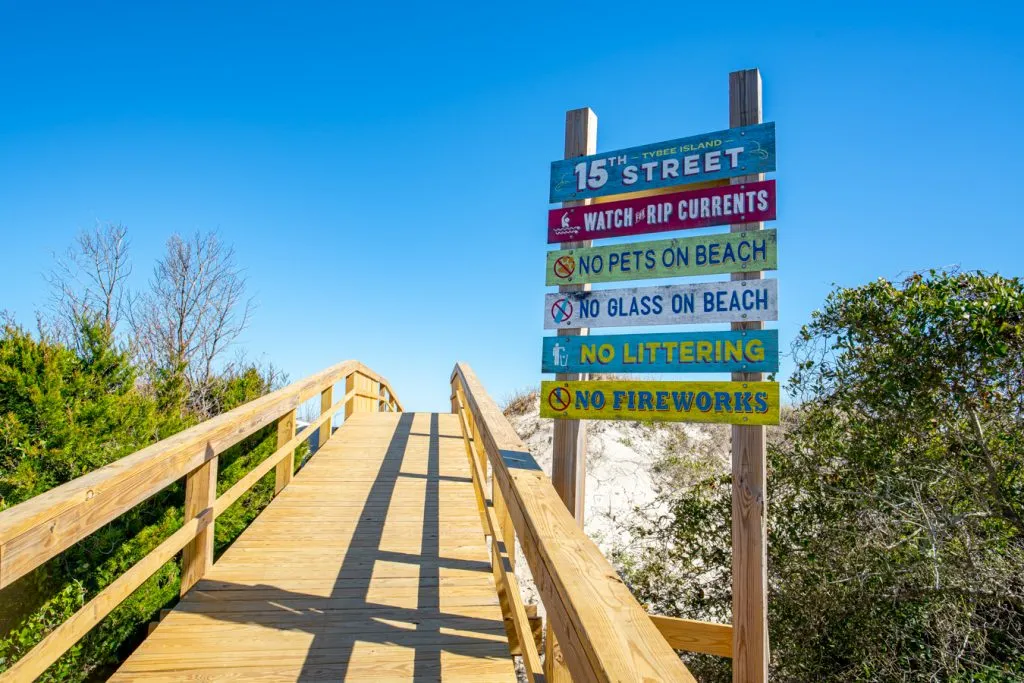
(742, 403)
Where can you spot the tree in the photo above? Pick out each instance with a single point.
(194, 309)
(896, 494)
(65, 412)
(72, 402)
(89, 282)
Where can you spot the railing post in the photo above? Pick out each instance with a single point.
(350, 405)
(326, 401)
(363, 401)
(284, 470)
(200, 495)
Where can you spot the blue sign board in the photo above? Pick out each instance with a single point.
(712, 351)
(712, 156)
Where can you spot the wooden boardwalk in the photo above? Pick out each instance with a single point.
(371, 565)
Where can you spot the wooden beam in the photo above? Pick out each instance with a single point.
(604, 633)
(200, 495)
(695, 636)
(749, 486)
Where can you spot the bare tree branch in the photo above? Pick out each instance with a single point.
(194, 310)
(89, 281)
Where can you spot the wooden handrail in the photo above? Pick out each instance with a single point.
(34, 531)
(604, 633)
(501, 553)
(41, 527)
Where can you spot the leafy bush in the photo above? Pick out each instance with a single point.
(895, 501)
(65, 412)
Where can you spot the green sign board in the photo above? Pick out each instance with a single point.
(703, 255)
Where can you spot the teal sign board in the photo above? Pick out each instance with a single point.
(710, 351)
(712, 156)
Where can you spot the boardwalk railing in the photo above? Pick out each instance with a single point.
(603, 632)
(40, 528)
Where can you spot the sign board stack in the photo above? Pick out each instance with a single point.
(704, 181)
(714, 156)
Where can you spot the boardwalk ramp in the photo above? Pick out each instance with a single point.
(347, 574)
(388, 556)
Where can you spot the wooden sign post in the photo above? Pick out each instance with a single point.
(569, 441)
(749, 530)
(635, 191)
(568, 467)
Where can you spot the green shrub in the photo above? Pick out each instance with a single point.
(65, 412)
(895, 495)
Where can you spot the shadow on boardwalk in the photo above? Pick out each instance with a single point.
(351, 629)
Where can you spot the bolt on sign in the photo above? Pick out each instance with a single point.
(742, 203)
(707, 351)
(708, 302)
(722, 154)
(754, 403)
(704, 255)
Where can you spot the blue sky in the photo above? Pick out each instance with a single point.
(382, 170)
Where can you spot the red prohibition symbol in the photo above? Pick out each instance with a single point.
(564, 266)
(561, 310)
(559, 398)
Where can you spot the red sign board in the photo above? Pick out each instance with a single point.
(740, 203)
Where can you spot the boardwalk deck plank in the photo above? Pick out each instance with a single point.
(370, 565)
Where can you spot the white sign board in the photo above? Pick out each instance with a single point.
(707, 302)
